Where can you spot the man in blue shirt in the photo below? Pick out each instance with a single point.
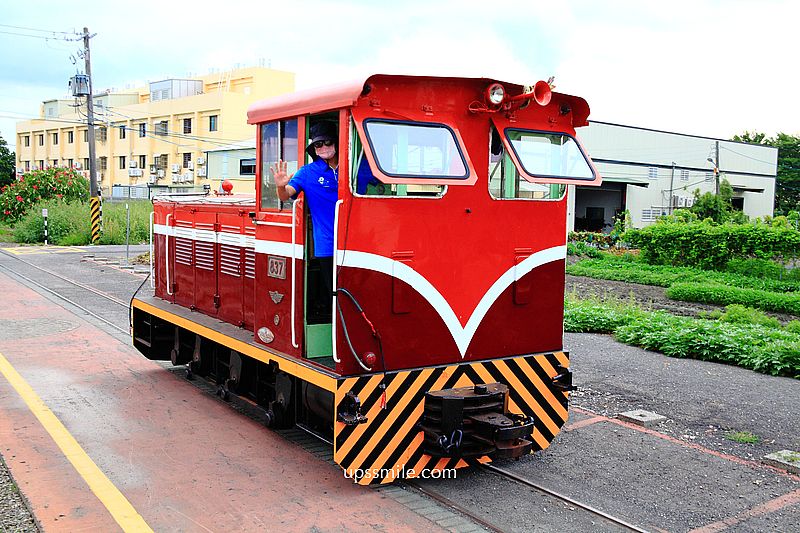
(319, 180)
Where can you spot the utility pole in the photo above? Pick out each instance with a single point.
(716, 168)
(94, 200)
(671, 183)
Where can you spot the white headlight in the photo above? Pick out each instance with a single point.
(496, 93)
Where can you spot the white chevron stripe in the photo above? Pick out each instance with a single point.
(461, 335)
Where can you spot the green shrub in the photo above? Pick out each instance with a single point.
(758, 347)
(69, 224)
(739, 314)
(633, 271)
(710, 246)
(18, 198)
(580, 248)
(793, 326)
(725, 295)
(756, 268)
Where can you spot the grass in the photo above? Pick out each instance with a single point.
(6, 233)
(766, 349)
(743, 437)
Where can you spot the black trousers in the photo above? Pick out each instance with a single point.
(326, 271)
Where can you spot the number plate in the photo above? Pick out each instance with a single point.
(276, 267)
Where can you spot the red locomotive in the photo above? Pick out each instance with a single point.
(441, 342)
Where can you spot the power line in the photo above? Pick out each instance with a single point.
(38, 29)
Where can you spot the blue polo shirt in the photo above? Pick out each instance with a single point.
(320, 184)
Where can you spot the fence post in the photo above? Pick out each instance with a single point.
(127, 233)
(44, 215)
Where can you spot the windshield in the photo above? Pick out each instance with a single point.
(549, 155)
(415, 149)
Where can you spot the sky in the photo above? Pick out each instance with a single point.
(702, 67)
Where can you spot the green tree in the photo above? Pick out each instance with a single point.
(716, 207)
(7, 163)
(787, 190)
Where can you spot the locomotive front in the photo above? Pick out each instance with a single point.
(442, 341)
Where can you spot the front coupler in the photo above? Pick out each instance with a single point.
(472, 422)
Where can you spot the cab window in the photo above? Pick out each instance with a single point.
(506, 182)
(549, 155)
(364, 182)
(278, 141)
(415, 149)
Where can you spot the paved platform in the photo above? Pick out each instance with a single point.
(100, 439)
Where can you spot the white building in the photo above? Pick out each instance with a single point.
(643, 169)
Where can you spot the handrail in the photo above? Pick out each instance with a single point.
(294, 256)
(152, 270)
(334, 280)
(166, 254)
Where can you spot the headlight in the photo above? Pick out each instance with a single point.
(495, 94)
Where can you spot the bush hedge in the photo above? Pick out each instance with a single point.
(710, 246)
(623, 269)
(725, 295)
(758, 347)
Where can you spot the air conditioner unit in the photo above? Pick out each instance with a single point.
(76, 165)
(160, 173)
(153, 169)
(201, 160)
(135, 172)
(132, 164)
(201, 172)
(152, 179)
(190, 165)
(188, 178)
(176, 168)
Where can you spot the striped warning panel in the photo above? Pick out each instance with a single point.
(96, 213)
(389, 444)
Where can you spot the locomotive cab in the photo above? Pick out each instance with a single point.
(441, 339)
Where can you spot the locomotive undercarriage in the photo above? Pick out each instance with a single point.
(283, 399)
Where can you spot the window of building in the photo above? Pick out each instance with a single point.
(102, 135)
(122, 132)
(247, 167)
(161, 161)
(652, 173)
(187, 125)
(54, 163)
(102, 163)
(70, 162)
(212, 123)
(41, 164)
(86, 163)
(86, 136)
(122, 162)
(41, 140)
(684, 175)
(55, 139)
(70, 137)
(27, 164)
(26, 140)
(142, 129)
(161, 127)
(187, 158)
(142, 161)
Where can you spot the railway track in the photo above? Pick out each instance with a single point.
(410, 492)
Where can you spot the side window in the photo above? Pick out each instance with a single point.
(505, 181)
(278, 141)
(364, 183)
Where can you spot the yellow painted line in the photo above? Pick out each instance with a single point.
(307, 374)
(119, 507)
(34, 250)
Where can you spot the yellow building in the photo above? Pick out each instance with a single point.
(155, 135)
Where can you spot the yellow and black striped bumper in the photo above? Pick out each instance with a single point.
(389, 444)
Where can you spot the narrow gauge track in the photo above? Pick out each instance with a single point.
(65, 298)
(310, 440)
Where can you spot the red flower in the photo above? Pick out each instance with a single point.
(59, 195)
(6, 212)
(35, 186)
(19, 198)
